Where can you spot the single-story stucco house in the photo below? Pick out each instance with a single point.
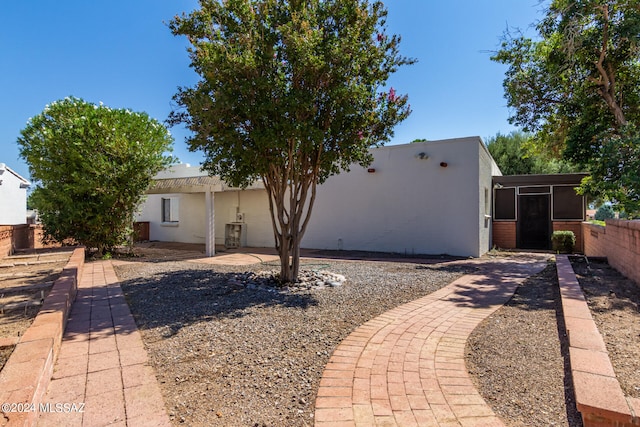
(13, 197)
(436, 197)
(419, 198)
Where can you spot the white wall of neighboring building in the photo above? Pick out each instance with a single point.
(13, 197)
(410, 204)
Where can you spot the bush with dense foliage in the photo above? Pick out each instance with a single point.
(91, 165)
(563, 241)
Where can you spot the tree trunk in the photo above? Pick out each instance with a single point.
(286, 272)
(290, 220)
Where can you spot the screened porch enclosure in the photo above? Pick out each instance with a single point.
(527, 209)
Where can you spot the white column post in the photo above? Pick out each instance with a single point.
(210, 238)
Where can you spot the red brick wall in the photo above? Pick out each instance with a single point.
(6, 235)
(574, 226)
(13, 237)
(619, 241)
(21, 237)
(593, 236)
(504, 234)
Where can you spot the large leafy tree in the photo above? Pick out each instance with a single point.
(577, 88)
(92, 165)
(514, 156)
(290, 92)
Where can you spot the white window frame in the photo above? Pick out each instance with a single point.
(170, 211)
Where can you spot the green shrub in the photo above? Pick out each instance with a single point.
(563, 241)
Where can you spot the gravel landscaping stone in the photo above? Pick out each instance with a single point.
(232, 348)
(518, 357)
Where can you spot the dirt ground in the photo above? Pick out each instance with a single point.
(614, 301)
(25, 280)
(519, 359)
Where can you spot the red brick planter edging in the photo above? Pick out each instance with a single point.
(599, 397)
(26, 375)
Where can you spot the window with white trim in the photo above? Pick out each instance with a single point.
(170, 209)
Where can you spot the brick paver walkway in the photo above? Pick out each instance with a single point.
(102, 367)
(406, 367)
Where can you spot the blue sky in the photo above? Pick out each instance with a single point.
(121, 53)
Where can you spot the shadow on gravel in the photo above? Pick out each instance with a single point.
(184, 297)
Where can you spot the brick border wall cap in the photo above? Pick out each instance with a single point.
(600, 228)
(599, 397)
(633, 224)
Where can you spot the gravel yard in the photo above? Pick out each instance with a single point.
(518, 358)
(231, 356)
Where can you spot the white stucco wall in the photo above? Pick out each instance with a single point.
(255, 207)
(13, 197)
(192, 216)
(409, 205)
(190, 225)
(487, 169)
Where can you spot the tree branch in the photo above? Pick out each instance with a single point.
(606, 80)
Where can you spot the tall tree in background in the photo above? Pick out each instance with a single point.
(578, 90)
(291, 92)
(514, 156)
(92, 165)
